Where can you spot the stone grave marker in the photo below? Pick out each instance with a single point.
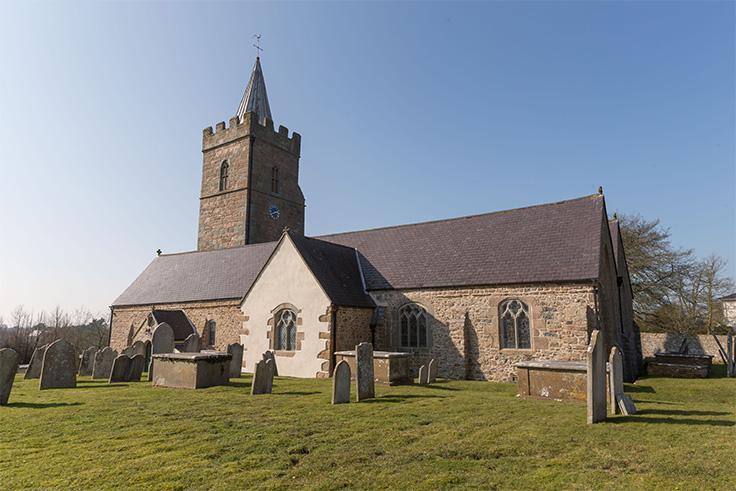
(104, 359)
(236, 364)
(88, 360)
(615, 380)
(341, 383)
(34, 366)
(270, 370)
(626, 405)
(364, 379)
(260, 376)
(432, 371)
(120, 369)
(139, 348)
(8, 368)
(161, 342)
(423, 375)
(137, 365)
(191, 343)
(128, 351)
(268, 355)
(596, 375)
(59, 368)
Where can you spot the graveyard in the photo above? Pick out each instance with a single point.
(446, 434)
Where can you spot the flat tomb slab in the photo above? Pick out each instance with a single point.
(191, 370)
(552, 379)
(677, 370)
(389, 367)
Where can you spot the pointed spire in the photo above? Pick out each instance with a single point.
(255, 99)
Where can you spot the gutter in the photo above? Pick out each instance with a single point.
(109, 328)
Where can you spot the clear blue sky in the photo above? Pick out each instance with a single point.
(408, 112)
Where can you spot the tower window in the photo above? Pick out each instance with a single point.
(274, 179)
(515, 330)
(224, 167)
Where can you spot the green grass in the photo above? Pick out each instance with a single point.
(454, 434)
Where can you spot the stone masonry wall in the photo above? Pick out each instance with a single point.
(464, 327)
(226, 313)
(353, 327)
(652, 342)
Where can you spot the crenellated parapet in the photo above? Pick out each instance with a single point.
(249, 126)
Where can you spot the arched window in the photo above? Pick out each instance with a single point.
(285, 332)
(513, 317)
(274, 179)
(413, 322)
(224, 167)
(211, 329)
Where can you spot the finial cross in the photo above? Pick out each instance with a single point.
(257, 44)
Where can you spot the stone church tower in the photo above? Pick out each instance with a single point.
(250, 176)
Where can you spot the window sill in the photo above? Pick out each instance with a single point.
(516, 350)
(285, 353)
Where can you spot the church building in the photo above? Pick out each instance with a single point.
(478, 293)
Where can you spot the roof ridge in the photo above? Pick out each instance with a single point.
(217, 250)
(465, 217)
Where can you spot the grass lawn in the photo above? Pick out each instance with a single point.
(454, 434)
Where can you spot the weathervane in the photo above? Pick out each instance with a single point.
(257, 44)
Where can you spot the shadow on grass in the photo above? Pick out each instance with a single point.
(101, 385)
(394, 398)
(296, 393)
(672, 421)
(42, 405)
(682, 412)
(437, 387)
(640, 388)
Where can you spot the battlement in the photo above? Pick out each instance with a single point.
(236, 129)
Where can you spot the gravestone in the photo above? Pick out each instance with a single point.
(596, 378)
(270, 371)
(341, 383)
(8, 368)
(139, 348)
(268, 355)
(34, 366)
(88, 360)
(191, 343)
(59, 368)
(236, 364)
(626, 405)
(104, 359)
(260, 379)
(432, 371)
(120, 369)
(128, 351)
(162, 341)
(364, 380)
(423, 375)
(137, 365)
(615, 379)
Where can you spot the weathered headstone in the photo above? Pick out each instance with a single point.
(596, 390)
(104, 359)
(270, 371)
(120, 369)
(162, 341)
(191, 343)
(261, 377)
(34, 366)
(8, 368)
(615, 380)
(139, 348)
(236, 364)
(59, 368)
(341, 383)
(137, 365)
(432, 371)
(626, 405)
(88, 361)
(423, 375)
(364, 380)
(268, 355)
(128, 351)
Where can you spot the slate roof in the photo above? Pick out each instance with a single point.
(729, 297)
(177, 319)
(544, 243)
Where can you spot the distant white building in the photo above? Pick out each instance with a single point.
(729, 309)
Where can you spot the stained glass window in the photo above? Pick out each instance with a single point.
(515, 327)
(285, 338)
(413, 325)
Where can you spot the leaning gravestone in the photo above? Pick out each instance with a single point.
(8, 368)
(88, 360)
(432, 371)
(341, 383)
(139, 348)
(236, 363)
(120, 369)
(260, 379)
(191, 343)
(596, 391)
(423, 375)
(34, 366)
(626, 405)
(161, 342)
(615, 380)
(268, 355)
(137, 365)
(364, 379)
(103, 362)
(59, 368)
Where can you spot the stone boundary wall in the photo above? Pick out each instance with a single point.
(651, 342)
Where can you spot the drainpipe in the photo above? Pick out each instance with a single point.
(109, 329)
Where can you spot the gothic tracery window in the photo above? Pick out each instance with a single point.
(285, 332)
(413, 325)
(513, 316)
(224, 168)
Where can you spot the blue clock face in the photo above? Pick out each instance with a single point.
(274, 212)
